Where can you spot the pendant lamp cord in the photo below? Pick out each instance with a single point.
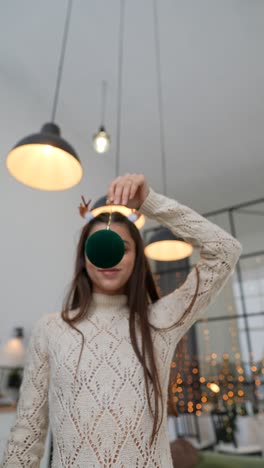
(160, 96)
(120, 84)
(103, 103)
(110, 217)
(61, 61)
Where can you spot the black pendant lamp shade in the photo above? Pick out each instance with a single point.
(101, 202)
(105, 248)
(164, 246)
(45, 160)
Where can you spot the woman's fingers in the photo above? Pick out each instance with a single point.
(111, 192)
(122, 192)
(125, 188)
(119, 191)
(126, 195)
(133, 190)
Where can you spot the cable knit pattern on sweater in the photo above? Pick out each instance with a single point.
(101, 418)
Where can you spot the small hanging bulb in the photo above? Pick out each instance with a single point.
(101, 141)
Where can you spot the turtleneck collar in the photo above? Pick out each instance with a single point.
(107, 301)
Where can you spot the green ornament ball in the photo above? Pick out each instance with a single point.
(105, 248)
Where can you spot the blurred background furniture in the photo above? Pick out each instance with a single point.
(227, 441)
(187, 427)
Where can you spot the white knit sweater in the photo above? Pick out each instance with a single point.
(101, 418)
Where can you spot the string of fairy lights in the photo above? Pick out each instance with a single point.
(212, 378)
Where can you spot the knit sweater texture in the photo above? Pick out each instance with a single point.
(100, 417)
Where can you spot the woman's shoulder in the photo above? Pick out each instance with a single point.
(55, 318)
(48, 323)
(49, 319)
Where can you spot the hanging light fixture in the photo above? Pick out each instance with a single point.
(45, 160)
(163, 245)
(100, 206)
(12, 353)
(101, 141)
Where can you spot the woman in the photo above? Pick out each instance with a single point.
(99, 370)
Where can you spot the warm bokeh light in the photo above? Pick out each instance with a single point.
(168, 250)
(44, 167)
(213, 387)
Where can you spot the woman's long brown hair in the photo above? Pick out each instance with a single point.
(141, 291)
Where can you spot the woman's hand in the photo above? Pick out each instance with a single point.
(130, 190)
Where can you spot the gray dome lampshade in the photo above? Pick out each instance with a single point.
(45, 160)
(164, 246)
(101, 202)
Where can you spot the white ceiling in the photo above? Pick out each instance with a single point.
(213, 88)
(212, 72)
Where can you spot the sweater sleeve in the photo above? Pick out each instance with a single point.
(219, 253)
(26, 442)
